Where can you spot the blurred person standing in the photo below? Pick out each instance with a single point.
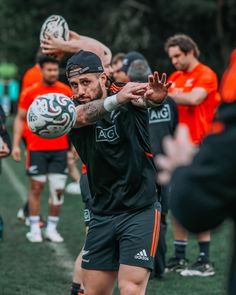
(117, 62)
(5, 141)
(5, 150)
(194, 89)
(46, 158)
(32, 75)
(163, 120)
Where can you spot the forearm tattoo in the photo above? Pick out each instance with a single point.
(93, 111)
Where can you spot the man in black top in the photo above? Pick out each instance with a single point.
(208, 195)
(113, 143)
(5, 142)
(163, 121)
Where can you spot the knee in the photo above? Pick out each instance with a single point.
(130, 288)
(36, 188)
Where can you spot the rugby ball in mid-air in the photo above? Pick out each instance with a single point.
(51, 115)
(56, 26)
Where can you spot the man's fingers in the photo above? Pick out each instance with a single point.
(182, 135)
(156, 77)
(48, 36)
(137, 87)
(163, 178)
(163, 163)
(150, 79)
(163, 78)
(16, 158)
(169, 146)
(134, 97)
(46, 46)
(48, 51)
(168, 84)
(45, 42)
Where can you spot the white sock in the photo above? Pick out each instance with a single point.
(52, 222)
(34, 224)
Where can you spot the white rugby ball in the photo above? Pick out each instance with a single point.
(51, 115)
(56, 26)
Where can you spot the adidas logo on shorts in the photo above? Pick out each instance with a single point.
(142, 255)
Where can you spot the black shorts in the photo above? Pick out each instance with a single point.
(127, 238)
(86, 197)
(45, 162)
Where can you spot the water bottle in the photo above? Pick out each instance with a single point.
(1, 228)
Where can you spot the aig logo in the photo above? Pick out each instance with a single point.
(108, 134)
(159, 115)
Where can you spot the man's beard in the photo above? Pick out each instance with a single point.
(49, 82)
(97, 95)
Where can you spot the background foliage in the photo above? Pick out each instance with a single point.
(123, 25)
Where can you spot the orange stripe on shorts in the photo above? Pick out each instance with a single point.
(155, 236)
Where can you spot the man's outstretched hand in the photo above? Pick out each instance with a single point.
(157, 88)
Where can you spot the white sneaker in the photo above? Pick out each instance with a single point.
(34, 237)
(22, 217)
(53, 236)
(73, 188)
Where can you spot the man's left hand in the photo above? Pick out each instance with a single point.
(51, 45)
(179, 151)
(4, 151)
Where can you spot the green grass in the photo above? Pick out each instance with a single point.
(29, 269)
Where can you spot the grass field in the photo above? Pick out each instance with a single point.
(43, 269)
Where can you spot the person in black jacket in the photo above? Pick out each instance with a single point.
(5, 142)
(208, 194)
(5, 148)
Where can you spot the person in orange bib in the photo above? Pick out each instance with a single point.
(228, 81)
(195, 90)
(46, 158)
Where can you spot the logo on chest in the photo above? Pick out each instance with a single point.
(189, 83)
(106, 134)
(159, 115)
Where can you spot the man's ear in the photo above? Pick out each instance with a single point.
(103, 79)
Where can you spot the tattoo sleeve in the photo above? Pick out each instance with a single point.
(89, 113)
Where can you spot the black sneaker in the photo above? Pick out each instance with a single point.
(200, 268)
(176, 264)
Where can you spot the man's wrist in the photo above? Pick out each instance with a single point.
(111, 103)
(152, 103)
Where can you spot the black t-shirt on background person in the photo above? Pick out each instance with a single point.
(163, 121)
(3, 131)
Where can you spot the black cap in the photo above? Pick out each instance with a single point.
(83, 62)
(129, 58)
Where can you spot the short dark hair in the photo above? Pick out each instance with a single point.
(43, 59)
(139, 71)
(118, 57)
(184, 42)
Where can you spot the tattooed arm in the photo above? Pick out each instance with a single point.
(91, 112)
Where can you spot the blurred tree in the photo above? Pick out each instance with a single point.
(123, 26)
